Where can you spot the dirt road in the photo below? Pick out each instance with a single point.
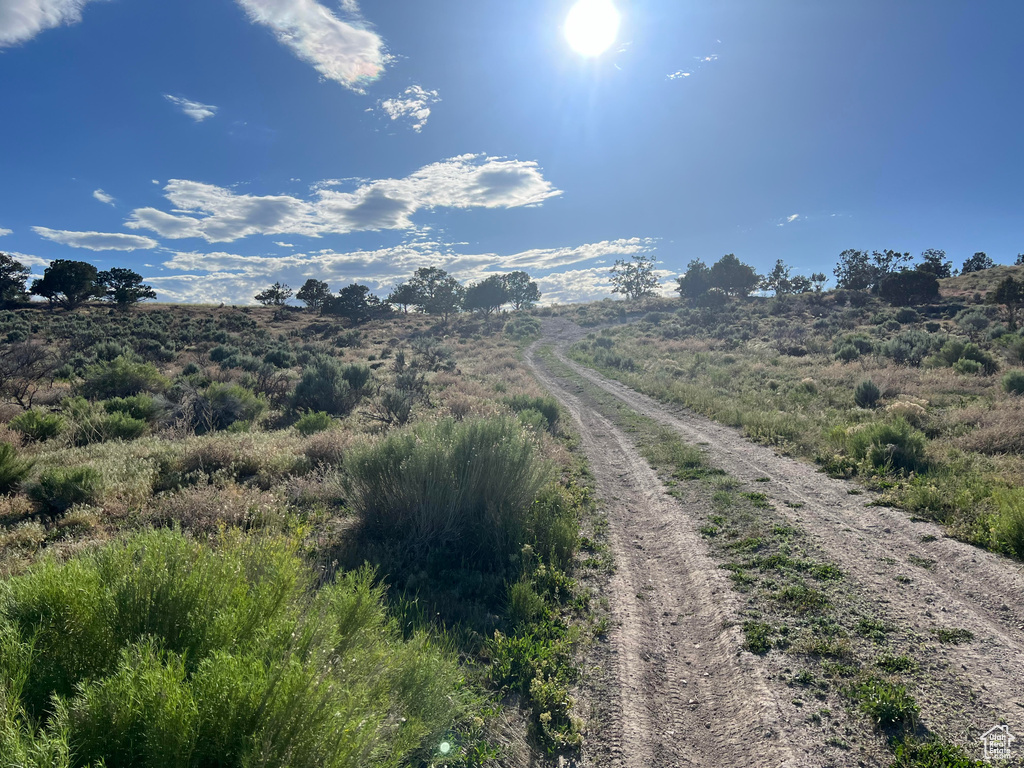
(680, 690)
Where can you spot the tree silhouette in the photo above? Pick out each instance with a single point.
(977, 263)
(13, 275)
(696, 281)
(733, 276)
(68, 283)
(486, 296)
(934, 262)
(634, 278)
(314, 293)
(124, 287)
(276, 295)
(402, 296)
(522, 292)
(1010, 294)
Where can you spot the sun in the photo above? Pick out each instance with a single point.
(591, 26)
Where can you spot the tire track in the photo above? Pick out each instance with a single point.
(682, 692)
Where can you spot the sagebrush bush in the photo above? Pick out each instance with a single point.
(121, 377)
(13, 468)
(888, 446)
(1008, 525)
(60, 488)
(1013, 382)
(323, 387)
(162, 651)
(867, 394)
(38, 425)
(143, 407)
(449, 484)
(547, 406)
(311, 423)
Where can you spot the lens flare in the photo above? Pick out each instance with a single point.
(592, 26)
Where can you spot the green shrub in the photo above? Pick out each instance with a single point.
(522, 327)
(1013, 383)
(547, 406)
(141, 407)
(1008, 523)
(13, 468)
(887, 704)
(867, 394)
(909, 347)
(323, 387)
(38, 425)
(967, 367)
(357, 376)
(311, 423)
(888, 446)
(121, 426)
(847, 353)
(232, 403)
(910, 754)
(121, 377)
(467, 484)
(167, 652)
(60, 488)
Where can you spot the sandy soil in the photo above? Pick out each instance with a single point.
(678, 690)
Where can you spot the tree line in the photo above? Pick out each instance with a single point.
(69, 284)
(430, 290)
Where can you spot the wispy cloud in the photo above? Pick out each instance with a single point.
(699, 63)
(21, 20)
(29, 260)
(412, 105)
(193, 109)
(219, 215)
(103, 197)
(5, 231)
(343, 51)
(97, 241)
(788, 220)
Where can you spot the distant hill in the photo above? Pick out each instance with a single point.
(978, 282)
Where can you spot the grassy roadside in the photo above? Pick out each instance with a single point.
(852, 676)
(870, 393)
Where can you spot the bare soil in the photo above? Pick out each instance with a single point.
(677, 688)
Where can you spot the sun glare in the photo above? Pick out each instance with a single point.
(591, 26)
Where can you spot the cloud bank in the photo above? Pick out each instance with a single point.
(338, 50)
(21, 20)
(97, 241)
(219, 215)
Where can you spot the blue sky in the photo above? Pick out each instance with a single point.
(219, 145)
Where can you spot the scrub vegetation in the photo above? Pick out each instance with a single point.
(266, 537)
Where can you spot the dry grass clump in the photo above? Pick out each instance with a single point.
(206, 509)
(999, 429)
(327, 449)
(263, 459)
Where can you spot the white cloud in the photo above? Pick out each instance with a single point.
(219, 215)
(28, 260)
(284, 245)
(97, 241)
(103, 197)
(193, 109)
(21, 20)
(413, 104)
(788, 220)
(5, 231)
(339, 50)
(679, 75)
